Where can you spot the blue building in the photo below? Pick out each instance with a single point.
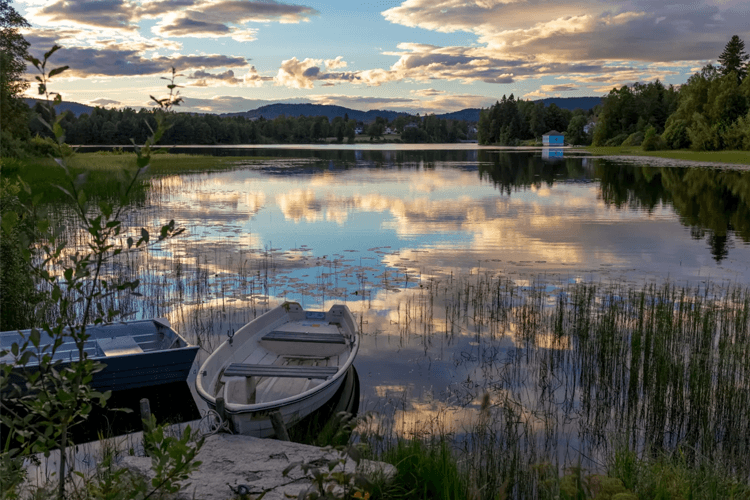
(553, 138)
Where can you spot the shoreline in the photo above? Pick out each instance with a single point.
(668, 158)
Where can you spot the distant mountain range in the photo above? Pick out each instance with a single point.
(271, 111)
(77, 109)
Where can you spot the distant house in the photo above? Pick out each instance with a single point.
(359, 128)
(553, 138)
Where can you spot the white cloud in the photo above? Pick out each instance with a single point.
(335, 63)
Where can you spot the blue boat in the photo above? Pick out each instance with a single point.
(137, 354)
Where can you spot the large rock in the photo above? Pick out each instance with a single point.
(251, 465)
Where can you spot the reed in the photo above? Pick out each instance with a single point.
(573, 373)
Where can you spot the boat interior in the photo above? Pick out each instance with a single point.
(289, 360)
(116, 339)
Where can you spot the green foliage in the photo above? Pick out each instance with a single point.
(634, 139)
(651, 140)
(673, 476)
(425, 469)
(42, 397)
(18, 295)
(13, 50)
(633, 109)
(615, 141)
(510, 121)
(575, 133)
(734, 59)
(332, 479)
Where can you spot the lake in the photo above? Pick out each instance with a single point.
(449, 257)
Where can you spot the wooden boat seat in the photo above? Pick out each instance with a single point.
(253, 370)
(318, 338)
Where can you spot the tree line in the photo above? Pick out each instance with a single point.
(511, 121)
(711, 111)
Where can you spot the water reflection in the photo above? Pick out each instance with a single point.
(413, 241)
(552, 153)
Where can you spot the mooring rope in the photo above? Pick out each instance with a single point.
(212, 423)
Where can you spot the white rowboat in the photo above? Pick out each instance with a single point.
(287, 360)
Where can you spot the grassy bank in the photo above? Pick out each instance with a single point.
(105, 170)
(733, 157)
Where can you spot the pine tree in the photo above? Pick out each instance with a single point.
(734, 58)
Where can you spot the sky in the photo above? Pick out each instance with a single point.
(428, 56)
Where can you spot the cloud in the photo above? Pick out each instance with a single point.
(226, 77)
(114, 14)
(41, 39)
(103, 102)
(114, 60)
(565, 31)
(535, 93)
(184, 25)
(223, 18)
(302, 74)
(251, 78)
(335, 63)
(558, 88)
(427, 92)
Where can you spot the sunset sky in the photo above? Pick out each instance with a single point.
(412, 55)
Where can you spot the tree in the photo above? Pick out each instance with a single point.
(734, 58)
(13, 50)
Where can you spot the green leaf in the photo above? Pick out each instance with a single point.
(143, 162)
(34, 337)
(57, 71)
(10, 220)
(106, 208)
(51, 51)
(144, 235)
(33, 60)
(81, 198)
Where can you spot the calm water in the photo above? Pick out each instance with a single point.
(383, 230)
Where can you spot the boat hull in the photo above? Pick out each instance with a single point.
(136, 354)
(265, 351)
(258, 423)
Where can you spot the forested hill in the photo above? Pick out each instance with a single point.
(74, 107)
(271, 111)
(573, 103)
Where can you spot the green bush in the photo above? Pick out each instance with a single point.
(652, 141)
(675, 135)
(616, 140)
(634, 139)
